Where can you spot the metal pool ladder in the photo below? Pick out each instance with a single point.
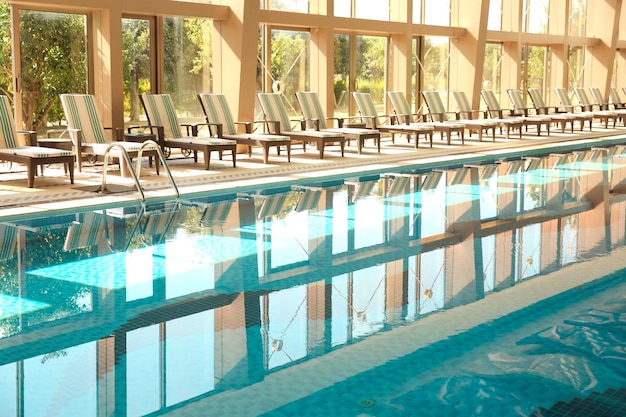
(129, 163)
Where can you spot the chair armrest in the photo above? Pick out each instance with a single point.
(273, 126)
(339, 120)
(305, 122)
(247, 125)
(219, 129)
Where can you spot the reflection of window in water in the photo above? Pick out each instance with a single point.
(284, 325)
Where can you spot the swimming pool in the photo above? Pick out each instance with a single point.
(481, 289)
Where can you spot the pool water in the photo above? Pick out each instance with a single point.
(495, 289)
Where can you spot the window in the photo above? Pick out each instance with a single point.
(188, 52)
(137, 57)
(53, 51)
(536, 16)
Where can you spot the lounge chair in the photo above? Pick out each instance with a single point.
(511, 120)
(162, 118)
(541, 108)
(88, 137)
(616, 99)
(32, 156)
(521, 109)
(439, 116)
(566, 105)
(602, 105)
(8, 242)
(586, 107)
(466, 115)
(218, 115)
(369, 116)
(314, 118)
(278, 123)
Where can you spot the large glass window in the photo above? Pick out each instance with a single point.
(286, 66)
(495, 15)
(53, 50)
(301, 6)
(136, 53)
(371, 52)
(493, 67)
(578, 18)
(534, 66)
(187, 71)
(437, 12)
(576, 67)
(435, 63)
(536, 14)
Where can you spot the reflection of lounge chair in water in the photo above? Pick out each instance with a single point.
(85, 232)
(8, 234)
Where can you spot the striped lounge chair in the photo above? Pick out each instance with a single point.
(616, 99)
(554, 113)
(218, 115)
(88, 137)
(511, 120)
(602, 114)
(315, 118)
(404, 126)
(32, 156)
(604, 105)
(278, 123)
(162, 118)
(439, 116)
(465, 114)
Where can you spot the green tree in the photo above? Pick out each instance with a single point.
(53, 62)
(136, 58)
(6, 62)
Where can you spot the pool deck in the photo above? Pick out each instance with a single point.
(54, 192)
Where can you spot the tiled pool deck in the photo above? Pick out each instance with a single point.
(53, 191)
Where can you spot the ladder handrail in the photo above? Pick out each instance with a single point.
(135, 175)
(128, 163)
(162, 160)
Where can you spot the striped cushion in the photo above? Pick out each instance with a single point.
(490, 100)
(274, 110)
(311, 108)
(400, 105)
(581, 94)
(597, 96)
(615, 98)
(8, 135)
(82, 114)
(38, 152)
(461, 101)
(435, 105)
(8, 237)
(365, 104)
(85, 234)
(517, 99)
(537, 98)
(161, 112)
(216, 111)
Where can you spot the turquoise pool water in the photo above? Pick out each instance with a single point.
(486, 290)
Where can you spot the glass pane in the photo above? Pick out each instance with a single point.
(437, 12)
(53, 61)
(417, 11)
(301, 6)
(435, 63)
(536, 16)
(188, 46)
(6, 61)
(576, 66)
(136, 56)
(493, 67)
(578, 18)
(342, 75)
(343, 8)
(370, 68)
(495, 15)
(290, 65)
(367, 9)
(535, 64)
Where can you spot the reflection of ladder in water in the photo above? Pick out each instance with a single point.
(134, 174)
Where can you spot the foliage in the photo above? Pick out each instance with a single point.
(188, 52)
(6, 61)
(136, 58)
(53, 62)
